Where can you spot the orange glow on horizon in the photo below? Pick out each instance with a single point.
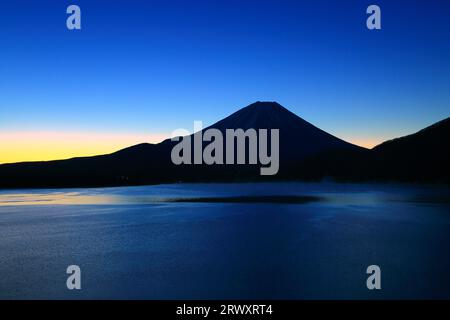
(47, 145)
(368, 143)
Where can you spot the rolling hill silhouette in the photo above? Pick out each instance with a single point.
(306, 153)
(422, 157)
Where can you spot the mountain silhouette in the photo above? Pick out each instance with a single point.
(422, 157)
(306, 153)
(298, 138)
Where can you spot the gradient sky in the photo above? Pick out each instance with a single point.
(140, 69)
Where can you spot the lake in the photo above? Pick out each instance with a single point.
(226, 241)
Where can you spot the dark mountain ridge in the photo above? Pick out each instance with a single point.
(422, 157)
(306, 153)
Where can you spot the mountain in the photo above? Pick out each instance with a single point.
(422, 157)
(306, 153)
(298, 138)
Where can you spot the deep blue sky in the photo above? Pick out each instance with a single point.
(154, 66)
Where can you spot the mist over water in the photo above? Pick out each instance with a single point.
(228, 241)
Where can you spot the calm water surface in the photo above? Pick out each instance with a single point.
(226, 241)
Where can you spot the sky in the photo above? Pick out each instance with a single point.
(138, 70)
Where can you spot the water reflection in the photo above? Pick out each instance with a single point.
(288, 193)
